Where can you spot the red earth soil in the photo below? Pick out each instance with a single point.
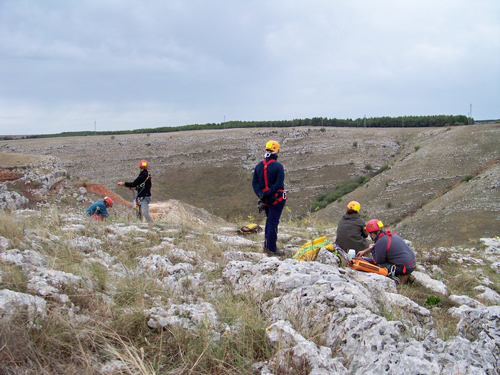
(6, 175)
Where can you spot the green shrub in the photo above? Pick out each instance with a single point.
(368, 167)
(84, 183)
(355, 144)
(381, 169)
(417, 148)
(468, 178)
(321, 196)
(388, 204)
(322, 200)
(432, 300)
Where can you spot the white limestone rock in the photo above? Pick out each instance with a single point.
(488, 294)
(4, 243)
(234, 240)
(27, 259)
(427, 281)
(12, 303)
(295, 347)
(85, 243)
(271, 274)
(465, 300)
(188, 316)
(11, 200)
(243, 256)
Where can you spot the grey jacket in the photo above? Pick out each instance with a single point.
(351, 233)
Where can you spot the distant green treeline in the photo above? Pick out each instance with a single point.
(373, 122)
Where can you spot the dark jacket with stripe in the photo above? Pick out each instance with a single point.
(275, 178)
(399, 253)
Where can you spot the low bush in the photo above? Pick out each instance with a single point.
(340, 190)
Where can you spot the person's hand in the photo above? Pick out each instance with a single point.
(362, 253)
(121, 183)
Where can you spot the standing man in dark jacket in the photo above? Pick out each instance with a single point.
(351, 233)
(268, 185)
(390, 251)
(143, 186)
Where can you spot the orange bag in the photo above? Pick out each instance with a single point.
(365, 266)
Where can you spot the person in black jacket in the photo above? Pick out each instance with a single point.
(351, 233)
(268, 185)
(143, 186)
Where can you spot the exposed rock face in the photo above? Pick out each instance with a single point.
(12, 303)
(11, 200)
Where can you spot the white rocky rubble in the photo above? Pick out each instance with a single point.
(330, 319)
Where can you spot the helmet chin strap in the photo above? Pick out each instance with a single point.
(269, 153)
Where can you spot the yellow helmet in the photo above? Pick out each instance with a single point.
(272, 146)
(353, 205)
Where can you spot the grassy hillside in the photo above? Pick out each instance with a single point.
(212, 169)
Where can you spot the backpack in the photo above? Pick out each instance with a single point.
(309, 251)
(365, 266)
(249, 229)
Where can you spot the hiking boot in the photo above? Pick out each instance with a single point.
(403, 279)
(276, 253)
(344, 259)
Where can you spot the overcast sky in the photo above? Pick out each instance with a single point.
(135, 64)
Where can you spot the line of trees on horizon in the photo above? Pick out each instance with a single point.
(372, 122)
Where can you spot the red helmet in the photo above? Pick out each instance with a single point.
(108, 201)
(143, 164)
(374, 225)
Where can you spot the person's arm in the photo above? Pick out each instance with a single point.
(104, 212)
(380, 250)
(363, 252)
(139, 180)
(255, 183)
(89, 210)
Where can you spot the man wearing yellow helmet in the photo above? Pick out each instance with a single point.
(351, 233)
(268, 185)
